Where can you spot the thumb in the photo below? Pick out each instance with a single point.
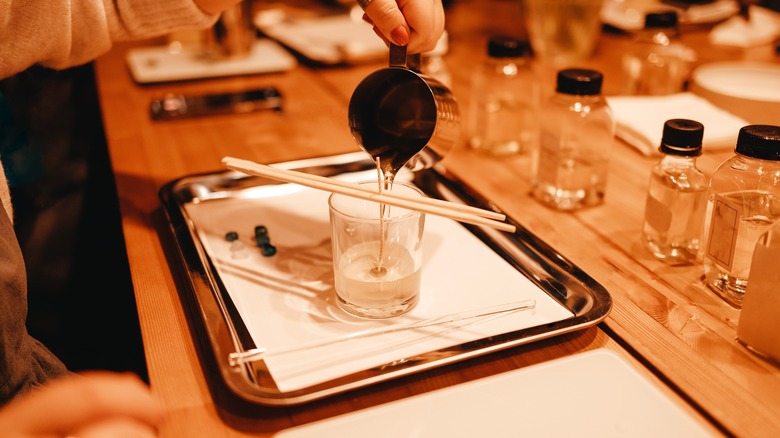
(387, 19)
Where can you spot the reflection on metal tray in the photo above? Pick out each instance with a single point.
(228, 334)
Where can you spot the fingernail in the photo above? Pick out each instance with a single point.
(400, 35)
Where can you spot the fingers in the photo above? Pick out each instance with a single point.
(418, 24)
(387, 18)
(426, 20)
(78, 402)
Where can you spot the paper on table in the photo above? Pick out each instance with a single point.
(640, 120)
(601, 394)
(288, 299)
(329, 39)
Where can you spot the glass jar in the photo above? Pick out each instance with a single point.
(433, 64)
(658, 62)
(676, 195)
(743, 201)
(571, 165)
(505, 95)
(759, 327)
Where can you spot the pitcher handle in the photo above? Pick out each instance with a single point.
(399, 58)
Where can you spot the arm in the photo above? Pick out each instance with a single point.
(63, 33)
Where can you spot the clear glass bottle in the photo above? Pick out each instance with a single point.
(658, 62)
(676, 195)
(433, 64)
(743, 201)
(571, 165)
(759, 327)
(505, 99)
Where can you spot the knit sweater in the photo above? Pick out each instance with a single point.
(59, 34)
(65, 33)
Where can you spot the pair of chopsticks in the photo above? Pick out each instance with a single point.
(451, 210)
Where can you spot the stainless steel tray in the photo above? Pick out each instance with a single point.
(227, 335)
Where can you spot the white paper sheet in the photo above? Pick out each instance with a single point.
(591, 394)
(288, 300)
(640, 120)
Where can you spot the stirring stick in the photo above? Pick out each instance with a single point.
(458, 212)
(257, 167)
(256, 354)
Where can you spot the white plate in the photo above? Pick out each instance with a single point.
(751, 81)
(629, 15)
(750, 90)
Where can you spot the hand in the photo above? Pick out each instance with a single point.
(215, 6)
(85, 405)
(417, 24)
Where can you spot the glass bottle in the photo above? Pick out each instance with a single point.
(759, 327)
(505, 99)
(658, 62)
(743, 201)
(676, 196)
(433, 64)
(570, 166)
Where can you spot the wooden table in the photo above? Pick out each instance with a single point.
(664, 320)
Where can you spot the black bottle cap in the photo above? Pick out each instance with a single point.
(682, 137)
(759, 141)
(507, 47)
(660, 20)
(579, 81)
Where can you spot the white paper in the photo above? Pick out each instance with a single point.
(640, 120)
(288, 300)
(591, 394)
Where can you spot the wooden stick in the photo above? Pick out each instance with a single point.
(469, 215)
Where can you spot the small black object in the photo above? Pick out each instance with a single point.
(178, 106)
(268, 250)
(759, 141)
(661, 20)
(508, 47)
(261, 236)
(682, 137)
(231, 236)
(579, 81)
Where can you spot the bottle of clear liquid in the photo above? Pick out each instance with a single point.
(433, 64)
(658, 62)
(505, 100)
(676, 196)
(759, 327)
(743, 201)
(571, 165)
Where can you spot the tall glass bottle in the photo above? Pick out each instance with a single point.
(676, 195)
(758, 325)
(433, 64)
(571, 165)
(657, 62)
(505, 99)
(743, 201)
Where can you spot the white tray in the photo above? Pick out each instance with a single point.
(160, 64)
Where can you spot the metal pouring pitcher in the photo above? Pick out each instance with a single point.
(399, 111)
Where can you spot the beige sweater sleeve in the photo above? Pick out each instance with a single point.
(65, 33)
